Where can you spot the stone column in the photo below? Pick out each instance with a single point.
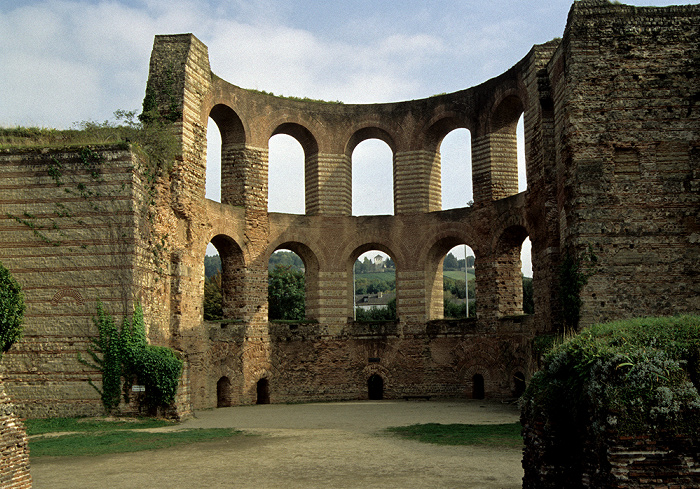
(328, 185)
(417, 185)
(494, 165)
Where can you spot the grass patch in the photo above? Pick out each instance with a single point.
(120, 441)
(492, 435)
(100, 436)
(87, 425)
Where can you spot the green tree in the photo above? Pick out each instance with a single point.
(212, 306)
(450, 262)
(286, 294)
(528, 296)
(212, 265)
(11, 309)
(288, 258)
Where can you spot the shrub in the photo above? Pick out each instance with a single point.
(630, 376)
(11, 309)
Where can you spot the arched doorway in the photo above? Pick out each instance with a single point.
(478, 391)
(375, 388)
(263, 391)
(223, 392)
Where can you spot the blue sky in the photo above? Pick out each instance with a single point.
(65, 61)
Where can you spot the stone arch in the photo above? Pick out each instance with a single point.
(232, 276)
(311, 274)
(434, 276)
(374, 371)
(233, 139)
(505, 113)
(369, 132)
(470, 375)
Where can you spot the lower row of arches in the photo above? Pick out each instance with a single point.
(450, 282)
(476, 389)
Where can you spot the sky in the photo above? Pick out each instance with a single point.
(66, 61)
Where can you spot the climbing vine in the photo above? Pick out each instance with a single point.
(124, 358)
(11, 310)
(574, 272)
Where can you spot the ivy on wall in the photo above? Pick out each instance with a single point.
(124, 358)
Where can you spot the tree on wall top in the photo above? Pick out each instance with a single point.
(11, 309)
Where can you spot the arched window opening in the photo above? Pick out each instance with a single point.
(375, 388)
(458, 283)
(223, 280)
(456, 170)
(263, 391)
(285, 175)
(212, 306)
(372, 179)
(478, 391)
(223, 392)
(213, 174)
(230, 146)
(286, 286)
(520, 137)
(518, 384)
(374, 284)
(526, 269)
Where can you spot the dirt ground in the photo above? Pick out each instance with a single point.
(324, 445)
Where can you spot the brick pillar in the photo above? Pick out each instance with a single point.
(410, 298)
(417, 185)
(334, 299)
(328, 180)
(495, 165)
(14, 445)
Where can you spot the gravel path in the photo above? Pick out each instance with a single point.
(325, 445)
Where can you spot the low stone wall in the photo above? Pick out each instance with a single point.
(14, 448)
(557, 456)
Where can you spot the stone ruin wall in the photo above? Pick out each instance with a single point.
(581, 190)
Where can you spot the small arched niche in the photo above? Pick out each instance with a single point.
(223, 392)
(375, 387)
(478, 388)
(262, 389)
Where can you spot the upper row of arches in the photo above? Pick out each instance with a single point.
(371, 152)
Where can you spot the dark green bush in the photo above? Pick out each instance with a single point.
(630, 376)
(11, 309)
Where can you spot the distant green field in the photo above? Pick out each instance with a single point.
(385, 276)
(456, 275)
(390, 275)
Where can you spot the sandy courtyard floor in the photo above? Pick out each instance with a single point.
(325, 445)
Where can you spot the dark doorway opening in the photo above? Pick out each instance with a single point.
(478, 386)
(263, 392)
(518, 384)
(223, 392)
(375, 387)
